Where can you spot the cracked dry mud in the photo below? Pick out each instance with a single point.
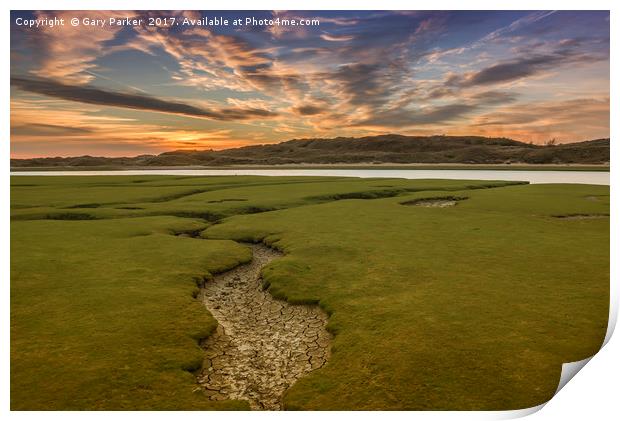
(261, 345)
(436, 203)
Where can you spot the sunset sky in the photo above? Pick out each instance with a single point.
(124, 91)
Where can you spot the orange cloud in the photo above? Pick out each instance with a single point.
(67, 52)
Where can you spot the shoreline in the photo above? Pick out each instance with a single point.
(360, 166)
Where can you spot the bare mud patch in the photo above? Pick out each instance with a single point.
(435, 202)
(261, 345)
(597, 198)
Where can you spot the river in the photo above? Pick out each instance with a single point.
(533, 176)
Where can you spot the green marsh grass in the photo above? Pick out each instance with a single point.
(474, 306)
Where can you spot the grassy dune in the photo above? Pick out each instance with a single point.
(469, 307)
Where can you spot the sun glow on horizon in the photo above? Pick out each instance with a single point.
(528, 76)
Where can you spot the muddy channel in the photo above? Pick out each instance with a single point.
(261, 345)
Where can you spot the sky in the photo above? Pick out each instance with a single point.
(126, 90)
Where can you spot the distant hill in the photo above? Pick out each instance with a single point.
(389, 148)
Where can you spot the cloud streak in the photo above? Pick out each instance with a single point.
(521, 67)
(97, 96)
(407, 117)
(336, 38)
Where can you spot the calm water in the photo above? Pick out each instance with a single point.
(534, 177)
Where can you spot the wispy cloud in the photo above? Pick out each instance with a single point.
(516, 25)
(336, 38)
(68, 52)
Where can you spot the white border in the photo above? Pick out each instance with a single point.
(592, 394)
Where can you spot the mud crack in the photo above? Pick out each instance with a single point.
(261, 345)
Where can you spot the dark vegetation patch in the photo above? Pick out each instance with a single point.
(84, 206)
(188, 233)
(140, 234)
(206, 215)
(69, 216)
(227, 200)
(151, 180)
(175, 196)
(58, 216)
(215, 217)
(254, 209)
(582, 216)
(130, 208)
(491, 185)
(372, 194)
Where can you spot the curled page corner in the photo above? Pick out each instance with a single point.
(518, 413)
(613, 315)
(569, 370)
